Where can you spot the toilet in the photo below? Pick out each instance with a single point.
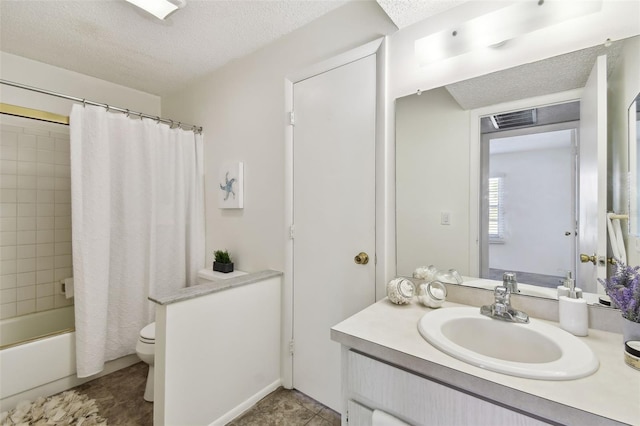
(145, 347)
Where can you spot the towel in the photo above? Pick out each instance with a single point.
(68, 288)
(380, 418)
(616, 239)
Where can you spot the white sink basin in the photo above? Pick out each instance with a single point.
(536, 350)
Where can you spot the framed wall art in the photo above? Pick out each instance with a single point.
(231, 186)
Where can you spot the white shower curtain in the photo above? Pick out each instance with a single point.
(137, 226)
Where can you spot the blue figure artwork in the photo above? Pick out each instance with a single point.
(228, 187)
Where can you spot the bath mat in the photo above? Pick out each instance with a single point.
(67, 408)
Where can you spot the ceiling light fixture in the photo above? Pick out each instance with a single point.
(159, 8)
(497, 27)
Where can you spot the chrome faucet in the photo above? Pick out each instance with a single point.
(510, 282)
(502, 309)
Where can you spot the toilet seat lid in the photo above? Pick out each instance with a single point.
(149, 332)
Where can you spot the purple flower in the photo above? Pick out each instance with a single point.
(624, 289)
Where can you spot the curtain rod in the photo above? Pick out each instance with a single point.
(185, 126)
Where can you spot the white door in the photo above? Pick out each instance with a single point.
(530, 199)
(334, 217)
(592, 230)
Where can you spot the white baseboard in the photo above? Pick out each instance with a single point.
(241, 408)
(65, 383)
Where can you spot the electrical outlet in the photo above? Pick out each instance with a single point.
(638, 244)
(445, 218)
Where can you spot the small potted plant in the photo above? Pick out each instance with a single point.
(222, 261)
(624, 290)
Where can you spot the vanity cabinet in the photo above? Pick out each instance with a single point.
(388, 365)
(370, 384)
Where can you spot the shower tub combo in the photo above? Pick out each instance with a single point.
(37, 351)
(45, 364)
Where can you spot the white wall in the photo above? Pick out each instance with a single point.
(37, 74)
(241, 106)
(623, 87)
(242, 109)
(432, 133)
(217, 354)
(537, 185)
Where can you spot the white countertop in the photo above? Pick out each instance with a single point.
(389, 332)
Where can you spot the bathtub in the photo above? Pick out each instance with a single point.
(46, 365)
(30, 327)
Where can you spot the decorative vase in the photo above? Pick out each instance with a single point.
(223, 267)
(630, 330)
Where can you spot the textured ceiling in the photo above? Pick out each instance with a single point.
(406, 12)
(557, 74)
(115, 41)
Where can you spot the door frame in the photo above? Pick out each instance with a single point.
(574, 126)
(377, 46)
(475, 171)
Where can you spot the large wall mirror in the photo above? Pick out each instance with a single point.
(521, 154)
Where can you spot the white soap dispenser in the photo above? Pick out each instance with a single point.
(563, 290)
(573, 313)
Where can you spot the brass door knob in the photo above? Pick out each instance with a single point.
(361, 258)
(584, 258)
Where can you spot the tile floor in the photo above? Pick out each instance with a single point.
(119, 398)
(288, 407)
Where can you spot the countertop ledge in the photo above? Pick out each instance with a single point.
(611, 395)
(213, 287)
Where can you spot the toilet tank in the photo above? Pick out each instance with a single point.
(206, 275)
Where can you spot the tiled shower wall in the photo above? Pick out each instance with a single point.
(35, 216)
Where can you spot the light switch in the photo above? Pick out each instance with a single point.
(445, 218)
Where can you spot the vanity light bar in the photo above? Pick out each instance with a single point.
(495, 28)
